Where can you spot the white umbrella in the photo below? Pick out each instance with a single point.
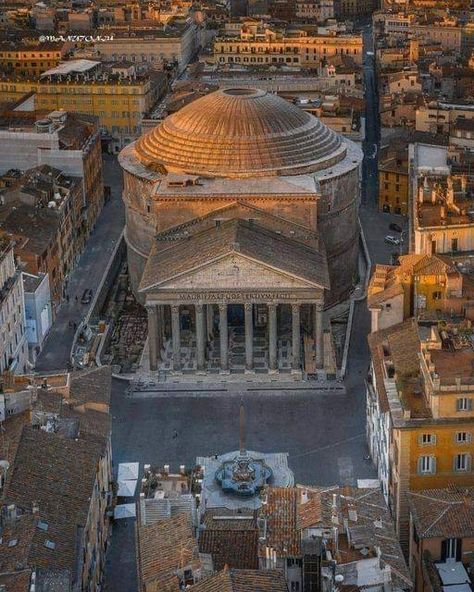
(128, 471)
(125, 511)
(127, 488)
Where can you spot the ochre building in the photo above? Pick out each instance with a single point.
(241, 226)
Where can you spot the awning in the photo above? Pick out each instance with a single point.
(127, 488)
(125, 511)
(128, 471)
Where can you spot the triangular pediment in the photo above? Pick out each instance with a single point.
(233, 271)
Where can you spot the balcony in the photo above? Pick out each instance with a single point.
(8, 286)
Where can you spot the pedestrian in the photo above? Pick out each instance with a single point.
(74, 325)
(175, 434)
(67, 298)
(76, 298)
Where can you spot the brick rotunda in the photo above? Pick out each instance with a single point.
(241, 226)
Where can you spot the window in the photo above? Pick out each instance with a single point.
(437, 295)
(462, 462)
(463, 438)
(427, 439)
(426, 465)
(451, 550)
(454, 244)
(464, 404)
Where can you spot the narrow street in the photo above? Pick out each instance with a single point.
(372, 124)
(87, 273)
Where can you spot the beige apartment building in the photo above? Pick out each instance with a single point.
(266, 46)
(157, 47)
(13, 344)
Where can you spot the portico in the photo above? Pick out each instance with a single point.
(210, 323)
(235, 296)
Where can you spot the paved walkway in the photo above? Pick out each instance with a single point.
(87, 273)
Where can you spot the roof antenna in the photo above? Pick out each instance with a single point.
(243, 447)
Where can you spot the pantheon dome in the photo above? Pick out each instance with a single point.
(239, 132)
(240, 202)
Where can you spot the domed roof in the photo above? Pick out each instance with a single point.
(240, 133)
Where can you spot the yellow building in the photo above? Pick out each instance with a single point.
(428, 287)
(119, 102)
(263, 46)
(31, 59)
(393, 185)
(420, 410)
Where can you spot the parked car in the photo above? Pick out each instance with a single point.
(86, 296)
(395, 227)
(391, 240)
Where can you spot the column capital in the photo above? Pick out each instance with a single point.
(295, 307)
(248, 306)
(175, 308)
(199, 307)
(319, 305)
(222, 307)
(272, 305)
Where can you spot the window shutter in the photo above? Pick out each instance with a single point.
(469, 437)
(469, 404)
(433, 465)
(468, 462)
(444, 550)
(420, 460)
(455, 462)
(433, 438)
(458, 404)
(420, 439)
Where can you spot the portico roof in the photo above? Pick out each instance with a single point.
(238, 246)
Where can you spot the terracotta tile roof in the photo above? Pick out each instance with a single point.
(243, 580)
(375, 299)
(11, 434)
(18, 582)
(403, 344)
(235, 237)
(310, 513)
(91, 386)
(163, 548)
(16, 539)
(446, 513)
(58, 474)
(232, 542)
(281, 514)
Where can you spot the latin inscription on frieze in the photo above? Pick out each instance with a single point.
(234, 296)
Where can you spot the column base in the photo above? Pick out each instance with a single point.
(224, 372)
(273, 371)
(201, 372)
(252, 371)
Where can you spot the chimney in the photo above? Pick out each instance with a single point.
(182, 469)
(166, 469)
(35, 509)
(142, 509)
